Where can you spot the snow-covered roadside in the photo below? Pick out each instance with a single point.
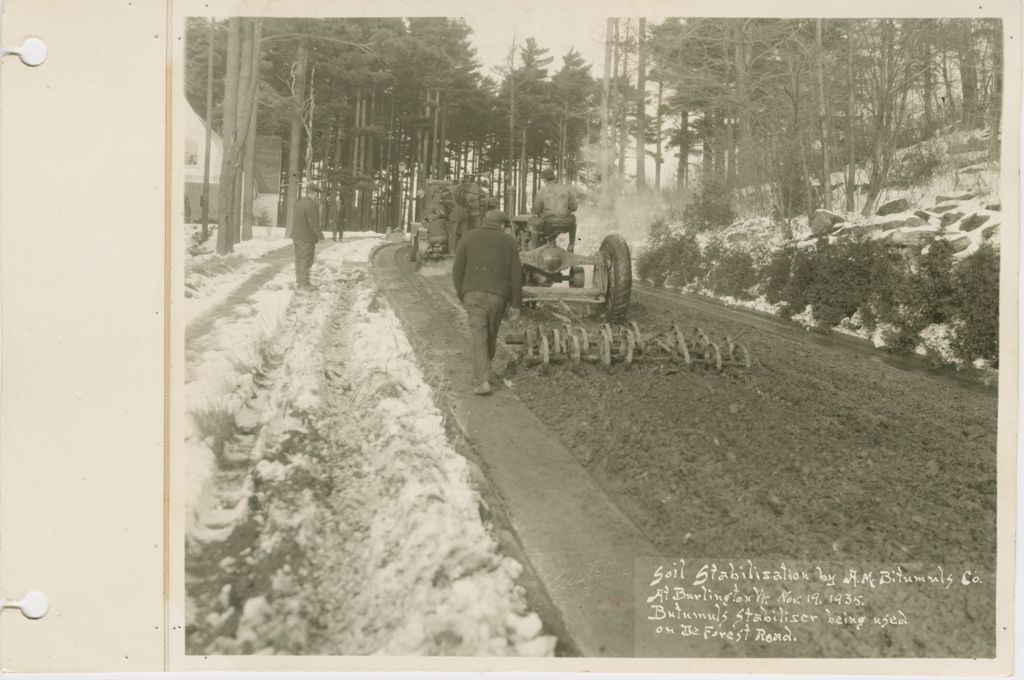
(343, 522)
(211, 278)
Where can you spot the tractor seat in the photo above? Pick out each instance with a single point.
(437, 240)
(559, 222)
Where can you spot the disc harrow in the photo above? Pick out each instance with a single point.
(626, 344)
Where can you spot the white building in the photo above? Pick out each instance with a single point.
(195, 155)
(267, 175)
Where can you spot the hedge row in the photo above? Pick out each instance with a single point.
(847, 278)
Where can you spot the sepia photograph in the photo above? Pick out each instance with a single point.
(566, 334)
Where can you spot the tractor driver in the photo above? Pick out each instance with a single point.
(554, 207)
(468, 197)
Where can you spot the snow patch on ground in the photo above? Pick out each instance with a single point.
(342, 448)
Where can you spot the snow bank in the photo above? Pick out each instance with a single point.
(362, 527)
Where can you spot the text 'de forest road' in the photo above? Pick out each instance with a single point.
(783, 608)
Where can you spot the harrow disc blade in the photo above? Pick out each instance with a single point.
(574, 350)
(712, 356)
(638, 339)
(545, 354)
(605, 345)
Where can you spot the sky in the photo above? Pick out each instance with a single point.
(495, 26)
(559, 26)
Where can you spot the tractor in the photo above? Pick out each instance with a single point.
(429, 239)
(545, 263)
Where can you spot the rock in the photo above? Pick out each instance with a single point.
(973, 221)
(893, 223)
(737, 238)
(911, 236)
(997, 207)
(824, 221)
(990, 231)
(924, 215)
(946, 207)
(896, 206)
(950, 217)
(961, 196)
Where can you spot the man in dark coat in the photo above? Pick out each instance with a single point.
(305, 234)
(488, 276)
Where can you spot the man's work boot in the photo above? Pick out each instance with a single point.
(483, 389)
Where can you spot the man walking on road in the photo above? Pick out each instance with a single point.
(488, 276)
(305, 234)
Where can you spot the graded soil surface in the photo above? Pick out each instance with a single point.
(816, 453)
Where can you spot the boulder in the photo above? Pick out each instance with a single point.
(959, 242)
(912, 236)
(961, 196)
(900, 221)
(950, 217)
(990, 231)
(924, 215)
(946, 207)
(824, 221)
(994, 206)
(972, 222)
(896, 206)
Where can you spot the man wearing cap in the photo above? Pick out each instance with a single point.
(488, 276)
(305, 234)
(554, 203)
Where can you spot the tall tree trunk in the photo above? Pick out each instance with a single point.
(851, 129)
(228, 169)
(435, 154)
(826, 174)
(641, 106)
(249, 172)
(996, 99)
(523, 168)
(615, 100)
(209, 129)
(623, 127)
(745, 136)
(657, 140)
(242, 116)
(606, 166)
(443, 143)
(928, 94)
(295, 136)
(249, 158)
(969, 78)
(730, 153)
(510, 201)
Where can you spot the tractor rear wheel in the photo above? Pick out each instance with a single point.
(619, 277)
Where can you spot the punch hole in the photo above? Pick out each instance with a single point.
(33, 605)
(32, 52)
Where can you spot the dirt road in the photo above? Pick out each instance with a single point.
(816, 453)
